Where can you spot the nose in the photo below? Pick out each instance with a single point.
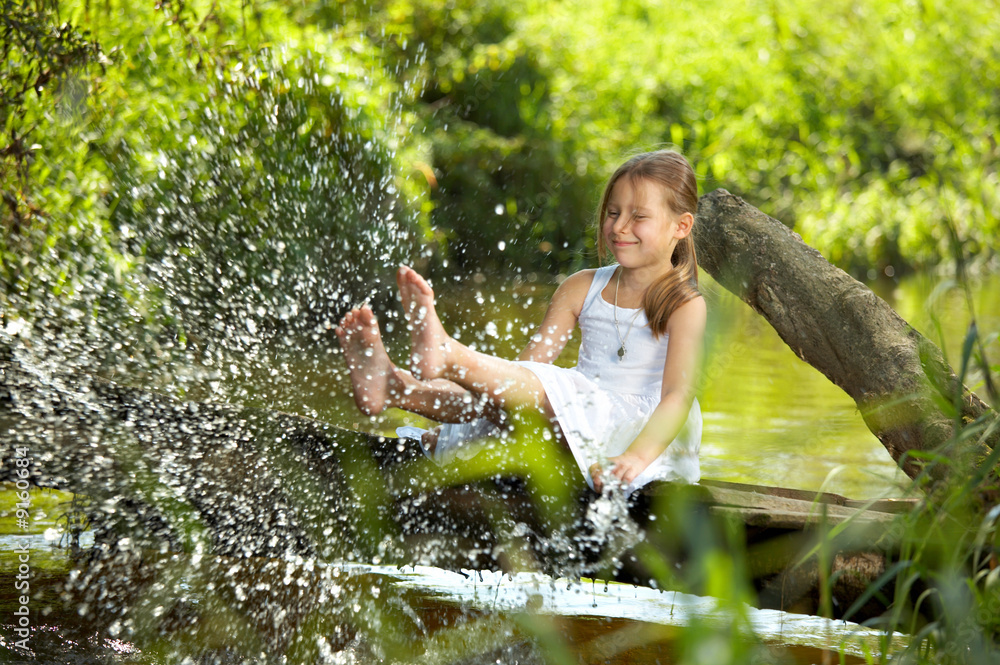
(621, 223)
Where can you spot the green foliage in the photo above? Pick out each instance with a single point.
(281, 157)
(49, 186)
(943, 584)
(504, 189)
(38, 54)
(866, 126)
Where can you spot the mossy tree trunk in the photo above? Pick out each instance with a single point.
(905, 390)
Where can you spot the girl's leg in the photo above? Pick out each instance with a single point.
(378, 384)
(435, 355)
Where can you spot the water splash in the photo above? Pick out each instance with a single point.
(275, 207)
(211, 510)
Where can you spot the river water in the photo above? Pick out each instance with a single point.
(769, 419)
(378, 614)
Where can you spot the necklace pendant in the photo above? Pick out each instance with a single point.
(621, 353)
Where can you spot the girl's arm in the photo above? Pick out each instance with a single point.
(560, 319)
(686, 329)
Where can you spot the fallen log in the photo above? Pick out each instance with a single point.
(908, 395)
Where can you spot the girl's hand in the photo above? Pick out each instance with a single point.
(625, 467)
(595, 475)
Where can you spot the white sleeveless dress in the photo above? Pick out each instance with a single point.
(603, 403)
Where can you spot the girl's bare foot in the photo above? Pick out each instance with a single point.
(373, 375)
(430, 344)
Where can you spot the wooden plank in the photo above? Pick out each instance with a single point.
(786, 492)
(787, 508)
(791, 519)
(895, 506)
(811, 512)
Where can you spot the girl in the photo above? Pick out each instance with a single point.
(628, 407)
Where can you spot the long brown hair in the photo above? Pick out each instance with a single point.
(676, 178)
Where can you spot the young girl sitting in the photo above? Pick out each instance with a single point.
(627, 411)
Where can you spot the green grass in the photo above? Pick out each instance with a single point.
(47, 511)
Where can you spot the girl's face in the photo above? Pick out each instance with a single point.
(639, 227)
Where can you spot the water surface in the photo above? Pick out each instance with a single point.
(377, 614)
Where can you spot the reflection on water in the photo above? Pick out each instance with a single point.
(772, 419)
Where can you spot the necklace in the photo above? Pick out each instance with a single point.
(622, 340)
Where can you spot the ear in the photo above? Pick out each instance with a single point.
(685, 223)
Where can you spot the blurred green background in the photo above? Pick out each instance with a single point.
(158, 156)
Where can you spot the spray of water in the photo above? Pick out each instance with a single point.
(222, 528)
